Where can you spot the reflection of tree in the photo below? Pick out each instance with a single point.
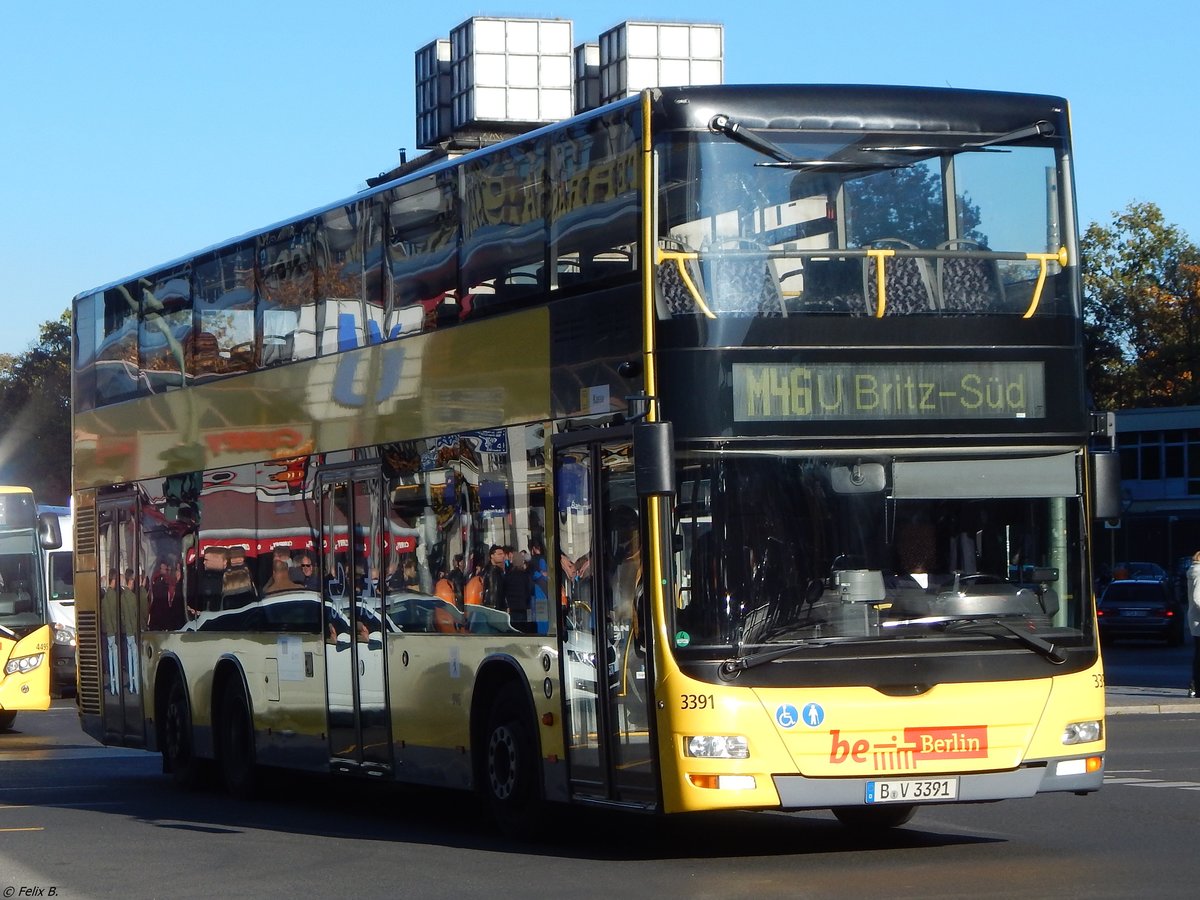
(907, 204)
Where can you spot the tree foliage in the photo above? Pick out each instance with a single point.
(1141, 286)
(35, 414)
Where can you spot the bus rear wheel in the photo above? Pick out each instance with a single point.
(7, 717)
(236, 742)
(510, 765)
(875, 818)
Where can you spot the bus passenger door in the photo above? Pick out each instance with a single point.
(122, 608)
(606, 685)
(354, 623)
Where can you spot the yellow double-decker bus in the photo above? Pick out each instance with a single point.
(724, 447)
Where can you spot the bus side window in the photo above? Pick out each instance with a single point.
(287, 286)
(504, 227)
(422, 245)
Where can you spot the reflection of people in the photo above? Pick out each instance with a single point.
(493, 578)
(166, 606)
(212, 577)
(457, 576)
(517, 590)
(1194, 620)
(539, 576)
(309, 579)
(281, 579)
(238, 587)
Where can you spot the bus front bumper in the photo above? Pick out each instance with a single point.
(1039, 777)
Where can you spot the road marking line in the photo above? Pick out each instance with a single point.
(1108, 780)
(1169, 784)
(31, 828)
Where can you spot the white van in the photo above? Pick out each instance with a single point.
(60, 606)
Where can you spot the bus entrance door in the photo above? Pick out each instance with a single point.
(122, 609)
(354, 623)
(605, 684)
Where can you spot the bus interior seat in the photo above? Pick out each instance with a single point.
(907, 282)
(967, 284)
(673, 291)
(833, 284)
(743, 285)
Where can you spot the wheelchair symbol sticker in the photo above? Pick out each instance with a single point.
(814, 715)
(786, 716)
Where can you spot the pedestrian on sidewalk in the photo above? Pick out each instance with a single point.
(1193, 577)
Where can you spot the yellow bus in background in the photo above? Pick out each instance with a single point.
(722, 448)
(26, 637)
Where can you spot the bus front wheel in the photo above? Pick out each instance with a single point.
(179, 758)
(7, 717)
(236, 742)
(510, 764)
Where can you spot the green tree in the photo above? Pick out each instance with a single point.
(1141, 288)
(35, 414)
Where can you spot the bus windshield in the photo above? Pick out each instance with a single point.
(19, 605)
(816, 551)
(960, 223)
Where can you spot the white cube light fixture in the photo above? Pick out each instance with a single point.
(587, 77)
(496, 77)
(637, 55)
(516, 71)
(433, 93)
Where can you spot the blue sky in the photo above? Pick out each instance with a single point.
(136, 132)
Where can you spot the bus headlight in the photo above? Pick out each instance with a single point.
(64, 634)
(708, 746)
(23, 664)
(1083, 732)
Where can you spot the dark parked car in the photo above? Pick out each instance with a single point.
(1140, 571)
(1140, 609)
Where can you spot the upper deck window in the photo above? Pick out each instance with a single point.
(805, 225)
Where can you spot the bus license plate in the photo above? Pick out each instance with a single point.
(912, 790)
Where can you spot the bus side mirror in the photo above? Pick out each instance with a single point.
(653, 459)
(1106, 485)
(49, 531)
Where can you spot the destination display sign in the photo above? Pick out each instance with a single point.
(781, 392)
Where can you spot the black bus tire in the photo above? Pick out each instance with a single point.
(236, 742)
(7, 717)
(178, 745)
(510, 765)
(875, 818)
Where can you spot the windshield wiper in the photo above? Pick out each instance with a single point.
(983, 622)
(731, 667)
(1037, 129)
(722, 124)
